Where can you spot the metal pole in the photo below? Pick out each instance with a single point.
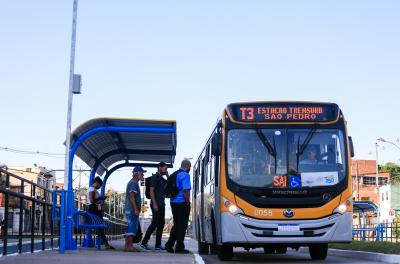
(377, 183)
(69, 243)
(70, 94)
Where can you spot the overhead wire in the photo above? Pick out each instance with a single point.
(31, 152)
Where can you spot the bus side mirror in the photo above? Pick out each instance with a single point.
(351, 147)
(215, 145)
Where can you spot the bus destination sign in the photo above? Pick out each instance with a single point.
(284, 112)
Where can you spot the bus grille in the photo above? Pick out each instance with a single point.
(272, 231)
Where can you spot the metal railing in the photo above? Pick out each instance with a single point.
(27, 217)
(389, 232)
(25, 212)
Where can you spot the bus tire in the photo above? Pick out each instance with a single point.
(201, 247)
(225, 252)
(213, 249)
(318, 251)
(213, 246)
(281, 250)
(269, 250)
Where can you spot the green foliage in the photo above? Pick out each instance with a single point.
(370, 246)
(394, 171)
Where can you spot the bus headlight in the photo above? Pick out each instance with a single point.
(344, 207)
(232, 208)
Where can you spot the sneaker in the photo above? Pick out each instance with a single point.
(160, 248)
(169, 249)
(145, 246)
(109, 247)
(182, 251)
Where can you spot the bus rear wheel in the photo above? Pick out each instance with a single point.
(202, 248)
(225, 252)
(318, 251)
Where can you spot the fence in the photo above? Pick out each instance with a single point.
(26, 217)
(389, 232)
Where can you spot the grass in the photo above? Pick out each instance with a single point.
(373, 246)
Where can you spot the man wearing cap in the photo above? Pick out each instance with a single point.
(157, 204)
(132, 206)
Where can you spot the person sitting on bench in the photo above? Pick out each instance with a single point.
(95, 207)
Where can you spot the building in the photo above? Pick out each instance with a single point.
(364, 180)
(365, 189)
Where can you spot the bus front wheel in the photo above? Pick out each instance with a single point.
(318, 251)
(225, 252)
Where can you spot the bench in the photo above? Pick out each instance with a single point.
(91, 222)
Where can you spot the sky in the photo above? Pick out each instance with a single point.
(186, 60)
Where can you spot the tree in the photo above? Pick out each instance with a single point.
(394, 171)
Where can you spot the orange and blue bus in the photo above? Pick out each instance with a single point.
(274, 175)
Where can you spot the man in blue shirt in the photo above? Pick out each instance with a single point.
(180, 205)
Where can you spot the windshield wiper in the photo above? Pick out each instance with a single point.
(303, 146)
(271, 148)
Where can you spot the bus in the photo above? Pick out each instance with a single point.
(274, 175)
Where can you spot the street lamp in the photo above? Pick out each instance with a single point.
(74, 88)
(390, 142)
(377, 182)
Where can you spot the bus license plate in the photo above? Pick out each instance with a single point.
(288, 228)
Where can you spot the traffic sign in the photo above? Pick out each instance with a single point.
(392, 213)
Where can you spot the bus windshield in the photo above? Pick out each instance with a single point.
(286, 158)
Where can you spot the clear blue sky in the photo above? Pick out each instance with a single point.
(185, 60)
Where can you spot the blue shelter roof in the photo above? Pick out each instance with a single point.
(364, 206)
(147, 148)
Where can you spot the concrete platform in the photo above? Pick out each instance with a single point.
(94, 256)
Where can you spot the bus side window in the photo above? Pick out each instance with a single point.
(196, 181)
(204, 171)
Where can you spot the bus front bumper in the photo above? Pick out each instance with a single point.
(239, 229)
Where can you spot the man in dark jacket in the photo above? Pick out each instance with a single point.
(157, 204)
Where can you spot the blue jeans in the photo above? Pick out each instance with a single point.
(133, 222)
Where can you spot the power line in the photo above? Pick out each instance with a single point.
(30, 152)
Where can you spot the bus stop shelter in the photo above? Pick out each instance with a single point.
(360, 208)
(107, 144)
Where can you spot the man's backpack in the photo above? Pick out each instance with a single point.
(147, 183)
(171, 190)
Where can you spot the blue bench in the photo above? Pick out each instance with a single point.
(91, 222)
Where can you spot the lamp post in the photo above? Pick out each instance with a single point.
(390, 142)
(377, 183)
(70, 93)
(66, 239)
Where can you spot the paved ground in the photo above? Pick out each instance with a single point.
(89, 256)
(93, 256)
(258, 256)
(12, 245)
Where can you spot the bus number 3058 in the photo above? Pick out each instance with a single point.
(263, 212)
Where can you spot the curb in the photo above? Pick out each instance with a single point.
(382, 257)
(379, 257)
(197, 258)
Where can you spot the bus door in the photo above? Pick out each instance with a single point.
(201, 208)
